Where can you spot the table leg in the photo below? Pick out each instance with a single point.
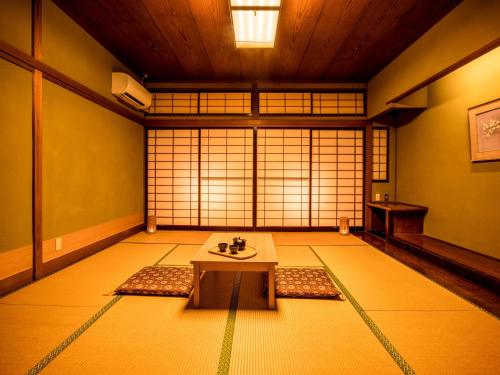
(387, 226)
(270, 288)
(196, 286)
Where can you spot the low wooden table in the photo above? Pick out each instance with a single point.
(264, 261)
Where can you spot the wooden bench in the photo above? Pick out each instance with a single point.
(479, 268)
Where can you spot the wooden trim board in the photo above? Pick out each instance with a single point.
(463, 61)
(30, 63)
(63, 261)
(15, 261)
(84, 237)
(16, 281)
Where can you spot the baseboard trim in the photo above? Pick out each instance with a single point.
(65, 260)
(11, 283)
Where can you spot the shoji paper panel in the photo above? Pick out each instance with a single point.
(226, 177)
(284, 102)
(380, 154)
(337, 177)
(338, 103)
(283, 177)
(173, 176)
(174, 103)
(225, 102)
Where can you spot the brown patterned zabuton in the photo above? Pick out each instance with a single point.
(159, 280)
(303, 283)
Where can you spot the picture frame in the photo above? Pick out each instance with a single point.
(484, 125)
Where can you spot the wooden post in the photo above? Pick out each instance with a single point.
(36, 51)
(368, 175)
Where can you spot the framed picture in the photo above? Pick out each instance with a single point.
(484, 124)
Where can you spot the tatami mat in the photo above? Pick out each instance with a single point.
(154, 335)
(38, 317)
(171, 236)
(435, 331)
(301, 256)
(90, 281)
(444, 342)
(302, 337)
(28, 332)
(315, 238)
(181, 255)
(379, 282)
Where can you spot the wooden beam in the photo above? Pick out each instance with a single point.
(28, 62)
(37, 134)
(247, 122)
(467, 59)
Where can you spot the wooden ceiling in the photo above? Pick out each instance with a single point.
(316, 40)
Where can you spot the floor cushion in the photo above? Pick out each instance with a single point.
(159, 280)
(303, 283)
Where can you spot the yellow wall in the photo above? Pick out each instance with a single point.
(18, 33)
(71, 50)
(15, 157)
(468, 27)
(433, 160)
(92, 158)
(92, 163)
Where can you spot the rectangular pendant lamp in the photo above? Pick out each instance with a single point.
(255, 22)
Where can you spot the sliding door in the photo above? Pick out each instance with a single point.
(337, 177)
(226, 177)
(283, 177)
(304, 177)
(173, 176)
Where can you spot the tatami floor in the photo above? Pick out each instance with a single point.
(394, 320)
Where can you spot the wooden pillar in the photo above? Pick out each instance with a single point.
(255, 100)
(36, 52)
(368, 175)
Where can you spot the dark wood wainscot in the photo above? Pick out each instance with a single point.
(390, 218)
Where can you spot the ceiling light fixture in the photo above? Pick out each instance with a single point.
(255, 22)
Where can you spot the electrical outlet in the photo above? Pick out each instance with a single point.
(58, 243)
(377, 197)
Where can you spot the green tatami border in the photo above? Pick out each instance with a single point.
(71, 338)
(391, 349)
(227, 342)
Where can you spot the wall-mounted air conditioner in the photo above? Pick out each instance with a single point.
(130, 91)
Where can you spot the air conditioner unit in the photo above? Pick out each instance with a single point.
(130, 91)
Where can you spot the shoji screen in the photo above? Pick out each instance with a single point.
(283, 177)
(380, 155)
(337, 177)
(226, 177)
(173, 176)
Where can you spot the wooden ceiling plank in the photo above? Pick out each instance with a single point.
(370, 32)
(174, 20)
(213, 21)
(317, 40)
(295, 28)
(126, 32)
(256, 63)
(420, 17)
(334, 25)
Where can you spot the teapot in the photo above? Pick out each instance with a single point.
(240, 242)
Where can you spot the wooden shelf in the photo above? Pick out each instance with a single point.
(396, 217)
